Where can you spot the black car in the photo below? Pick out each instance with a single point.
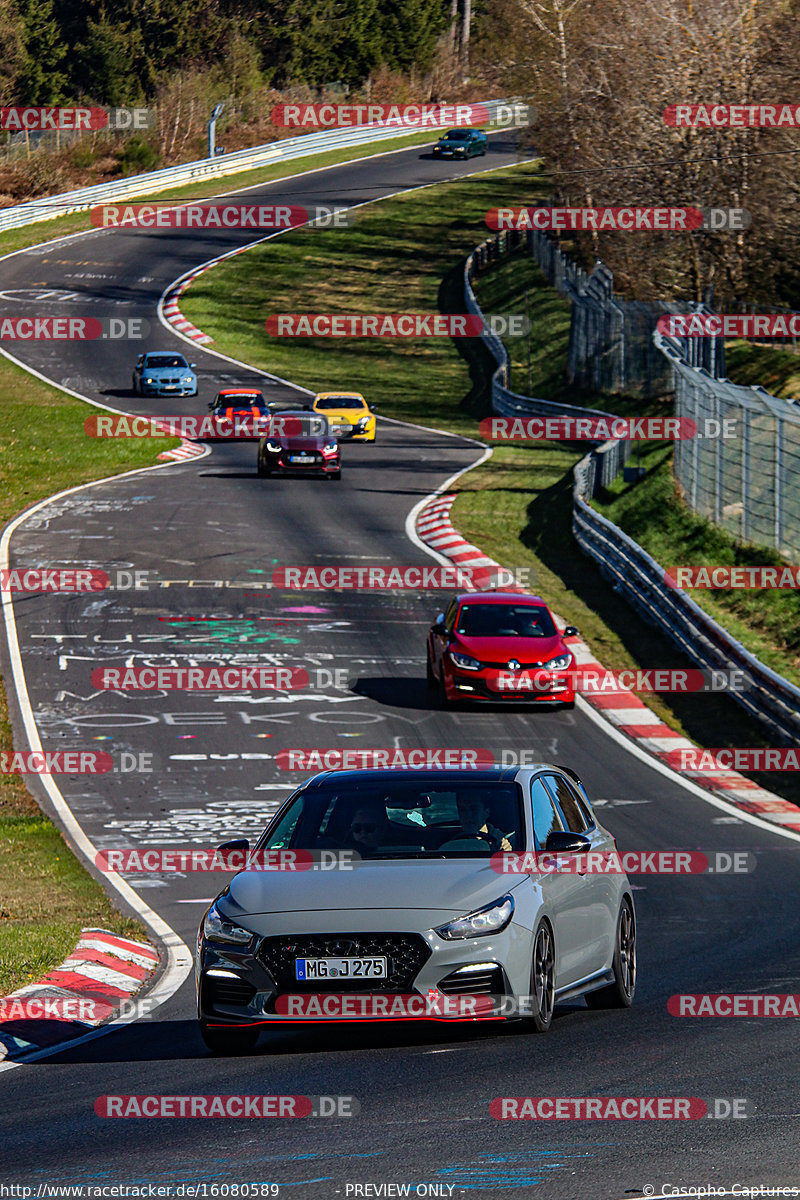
(461, 143)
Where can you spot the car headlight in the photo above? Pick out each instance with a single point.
(188, 379)
(491, 919)
(464, 661)
(275, 447)
(559, 663)
(217, 929)
(362, 424)
(329, 448)
(148, 379)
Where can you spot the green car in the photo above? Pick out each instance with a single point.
(461, 143)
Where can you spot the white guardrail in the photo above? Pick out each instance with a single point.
(631, 571)
(287, 150)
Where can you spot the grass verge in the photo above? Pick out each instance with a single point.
(46, 895)
(518, 506)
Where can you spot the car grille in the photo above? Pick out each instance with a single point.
(286, 458)
(219, 992)
(474, 983)
(407, 953)
(175, 380)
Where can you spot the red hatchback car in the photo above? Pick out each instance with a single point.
(500, 646)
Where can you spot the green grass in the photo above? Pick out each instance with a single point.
(773, 367)
(46, 895)
(407, 254)
(653, 513)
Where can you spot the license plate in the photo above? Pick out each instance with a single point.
(340, 968)
(301, 458)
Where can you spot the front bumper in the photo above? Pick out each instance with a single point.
(242, 984)
(180, 389)
(280, 464)
(482, 685)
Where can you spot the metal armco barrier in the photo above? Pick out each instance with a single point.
(639, 579)
(286, 150)
(633, 574)
(605, 460)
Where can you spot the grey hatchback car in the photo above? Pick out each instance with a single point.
(428, 910)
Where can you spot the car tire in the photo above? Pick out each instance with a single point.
(335, 475)
(568, 705)
(134, 385)
(430, 678)
(262, 471)
(231, 1040)
(543, 979)
(619, 994)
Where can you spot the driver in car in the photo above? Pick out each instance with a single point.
(369, 829)
(473, 813)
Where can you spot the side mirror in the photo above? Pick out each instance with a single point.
(560, 841)
(570, 631)
(192, 366)
(439, 622)
(372, 407)
(236, 844)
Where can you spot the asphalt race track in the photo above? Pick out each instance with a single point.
(210, 532)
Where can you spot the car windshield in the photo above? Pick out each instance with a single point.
(505, 620)
(458, 135)
(332, 402)
(156, 361)
(242, 400)
(428, 820)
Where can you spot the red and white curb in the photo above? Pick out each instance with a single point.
(103, 968)
(624, 710)
(173, 314)
(183, 452)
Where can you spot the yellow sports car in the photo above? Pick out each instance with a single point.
(349, 416)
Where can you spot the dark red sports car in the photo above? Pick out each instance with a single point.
(300, 443)
(500, 646)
